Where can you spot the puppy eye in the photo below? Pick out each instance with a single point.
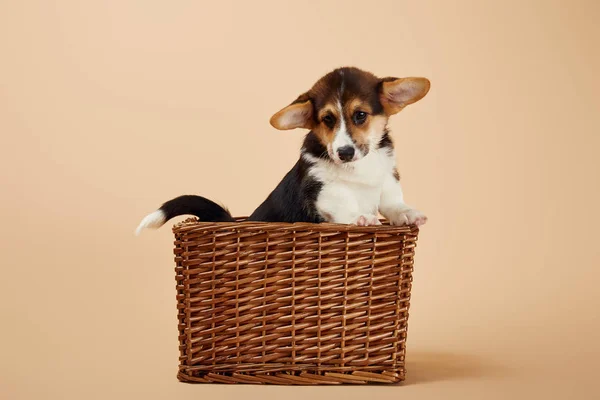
(359, 117)
(329, 120)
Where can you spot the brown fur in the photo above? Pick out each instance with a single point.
(323, 132)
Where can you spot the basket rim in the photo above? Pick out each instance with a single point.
(241, 223)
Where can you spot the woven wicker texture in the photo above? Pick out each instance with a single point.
(292, 303)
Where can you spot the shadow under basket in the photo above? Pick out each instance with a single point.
(292, 304)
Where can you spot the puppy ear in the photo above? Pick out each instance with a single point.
(397, 93)
(296, 115)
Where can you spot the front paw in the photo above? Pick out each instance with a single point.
(368, 220)
(408, 216)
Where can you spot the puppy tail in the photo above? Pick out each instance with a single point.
(203, 208)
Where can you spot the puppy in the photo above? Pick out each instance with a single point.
(346, 173)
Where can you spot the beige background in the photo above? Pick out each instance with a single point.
(108, 108)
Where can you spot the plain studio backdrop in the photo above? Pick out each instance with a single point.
(108, 108)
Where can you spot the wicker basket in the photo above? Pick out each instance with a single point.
(292, 303)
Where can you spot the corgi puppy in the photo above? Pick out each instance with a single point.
(346, 172)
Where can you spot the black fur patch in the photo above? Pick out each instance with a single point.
(201, 207)
(386, 141)
(344, 84)
(313, 146)
(293, 200)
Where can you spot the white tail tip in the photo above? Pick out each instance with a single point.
(154, 220)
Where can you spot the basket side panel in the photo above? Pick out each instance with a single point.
(253, 305)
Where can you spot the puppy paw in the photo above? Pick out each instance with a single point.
(368, 220)
(408, 216)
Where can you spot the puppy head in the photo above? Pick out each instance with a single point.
(348, 110)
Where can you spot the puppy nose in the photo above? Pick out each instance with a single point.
(346, 153)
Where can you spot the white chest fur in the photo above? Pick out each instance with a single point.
(353, 189)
